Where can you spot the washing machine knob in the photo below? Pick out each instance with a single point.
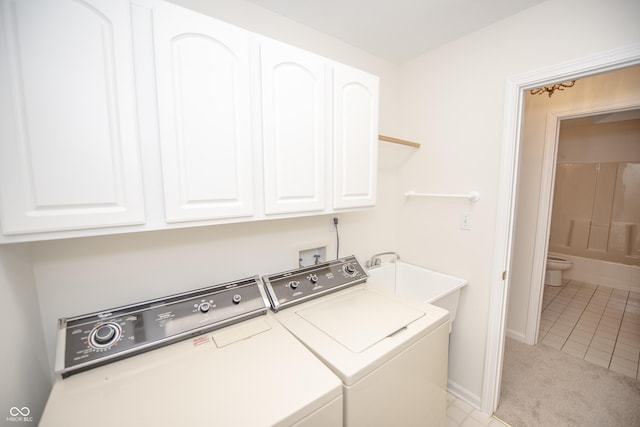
(294, 284)
(313, 278)
(237, 298)
(104, 335)
(350, 269)
(204, 307)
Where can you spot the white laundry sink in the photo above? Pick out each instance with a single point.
(419, 283)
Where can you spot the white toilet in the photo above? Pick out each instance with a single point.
(555, 266)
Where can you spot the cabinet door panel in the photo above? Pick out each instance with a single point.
(205, 122)
(69, 154)
(293, 113)
(355, 135)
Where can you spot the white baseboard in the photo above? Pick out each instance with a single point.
(462, 393)
(518, 336)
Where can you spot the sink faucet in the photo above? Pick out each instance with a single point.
(375, 259)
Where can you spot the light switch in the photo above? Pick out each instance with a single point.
(465, 221)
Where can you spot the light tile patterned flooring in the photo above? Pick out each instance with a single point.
(461, 414)
(595, 323)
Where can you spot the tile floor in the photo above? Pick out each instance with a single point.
(595, 323)
(461, 414)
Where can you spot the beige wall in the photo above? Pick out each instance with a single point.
(453, 99)
(24, 370)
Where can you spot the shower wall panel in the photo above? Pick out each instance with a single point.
(596, 211)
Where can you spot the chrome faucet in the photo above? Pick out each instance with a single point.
(375, 259)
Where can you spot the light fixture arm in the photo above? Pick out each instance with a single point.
(552, 88)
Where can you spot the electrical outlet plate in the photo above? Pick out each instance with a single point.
(465, 221)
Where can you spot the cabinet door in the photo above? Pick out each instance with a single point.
(355, 136)
(293, 124)
(204, 110)
(69, 154)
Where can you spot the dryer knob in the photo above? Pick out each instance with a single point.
(313, 278)
(350, 269)
(294, 284)
(237, 298)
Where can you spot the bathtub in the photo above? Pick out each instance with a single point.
(420, 283)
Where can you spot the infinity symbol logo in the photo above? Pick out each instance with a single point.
(15, 411)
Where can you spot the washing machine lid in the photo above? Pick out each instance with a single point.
(359, 320)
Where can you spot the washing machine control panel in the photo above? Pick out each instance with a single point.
(94, 339)
(305, 283)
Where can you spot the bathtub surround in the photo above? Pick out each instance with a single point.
(596, 210)
(544, 387)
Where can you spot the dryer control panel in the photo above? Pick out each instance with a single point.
(94, 339)
(302, 284)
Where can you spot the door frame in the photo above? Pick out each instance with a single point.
(514, 103)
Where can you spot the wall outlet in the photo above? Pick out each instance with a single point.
(465, 221)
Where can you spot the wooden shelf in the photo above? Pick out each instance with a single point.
(398, 141)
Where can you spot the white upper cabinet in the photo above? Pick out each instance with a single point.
(355, 135)
(230, 126)
(294, 129)
(204, 102)
(69, 151)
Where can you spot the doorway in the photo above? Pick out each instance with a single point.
(517, 89)
(542, 121)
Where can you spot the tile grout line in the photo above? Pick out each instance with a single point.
(578, 321)
(615, 344)
(614, 298)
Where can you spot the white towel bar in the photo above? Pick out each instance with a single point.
(474, 196)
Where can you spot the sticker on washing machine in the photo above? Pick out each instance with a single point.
(198, 341)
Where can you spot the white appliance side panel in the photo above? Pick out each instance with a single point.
(418, 378)
(194, 382)
(330, 414)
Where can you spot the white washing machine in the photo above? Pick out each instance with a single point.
(390, 352)
(155, 364)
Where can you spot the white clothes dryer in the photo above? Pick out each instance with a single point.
(389, 351)
(159, 363)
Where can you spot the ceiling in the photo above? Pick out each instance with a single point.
(396, 30)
